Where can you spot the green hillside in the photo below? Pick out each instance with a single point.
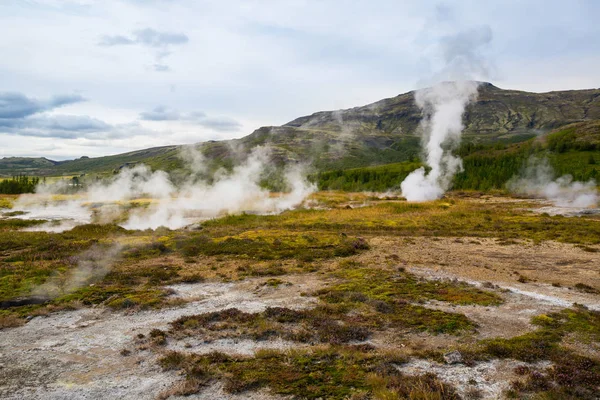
(25, 165)
(158, 158)
(573, 149)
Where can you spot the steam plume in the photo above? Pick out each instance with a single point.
(170, 205)
(92, 266)
(230, 193)
(443, 106)
(537, 180)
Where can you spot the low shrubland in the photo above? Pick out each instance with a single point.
(332, 372)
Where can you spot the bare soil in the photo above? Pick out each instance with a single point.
(74, 355)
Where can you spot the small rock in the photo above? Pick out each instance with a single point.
(454, 357)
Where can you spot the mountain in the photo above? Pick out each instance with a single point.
(386, 131)
(378, 133)
(157, 157)
(24, 165)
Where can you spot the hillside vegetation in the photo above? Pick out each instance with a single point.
(573, 149)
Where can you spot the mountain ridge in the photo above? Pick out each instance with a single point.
(377, 133)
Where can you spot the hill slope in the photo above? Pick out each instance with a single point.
(573, 149)
(378, 133)
(24, 165)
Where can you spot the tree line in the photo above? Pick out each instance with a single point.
(485, 167)
(18, 185)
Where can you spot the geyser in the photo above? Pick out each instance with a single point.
(443, 106)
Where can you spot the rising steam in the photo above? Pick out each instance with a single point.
(443, 106)
(537, 180)
(230, 193)
(169, 205)
(91, 266)
(460, 61)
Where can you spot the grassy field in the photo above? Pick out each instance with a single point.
(366, 293)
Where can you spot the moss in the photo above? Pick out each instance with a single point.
(398, 286)
(273, 245)
(531, 347)
(172, 360)
(329, 372)
(460, 217)
(310, 326)
(544, 343)
(6, 202)
(571, 375)
(366, 301)
(582, 287)
(274, 282)
(146, 251)
(15, 223)
(578, 320)
(139, 299)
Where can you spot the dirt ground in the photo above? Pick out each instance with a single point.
(77, 354)
(74, 355)
(482, 260)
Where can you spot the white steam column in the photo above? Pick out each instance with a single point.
(443, 106)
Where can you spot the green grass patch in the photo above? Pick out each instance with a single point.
(273, 245)
(10, 224)
(6, 202)
(453, 217)
(393, 287)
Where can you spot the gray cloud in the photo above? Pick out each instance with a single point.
(74, 127)
(25, 116)
(68, 123)
(16, 105)
(116, 40)
(59, 126)
(161, 42)
(161, 68)
(220, 124)
(146, 37)
(152, 38)
(160, 113)
(65, 99)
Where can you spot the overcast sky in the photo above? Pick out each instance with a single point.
(83, 77)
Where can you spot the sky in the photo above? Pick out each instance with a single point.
(92, 78)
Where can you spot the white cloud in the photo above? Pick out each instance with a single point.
(266, 63)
